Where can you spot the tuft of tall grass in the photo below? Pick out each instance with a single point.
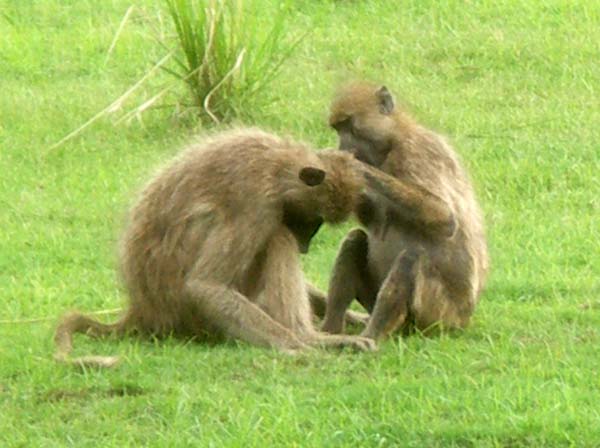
(227, 55)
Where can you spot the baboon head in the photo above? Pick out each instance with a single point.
(304, 226)
(341, 187)
(327, 192)
(364, 116)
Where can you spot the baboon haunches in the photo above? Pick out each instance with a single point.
(423, 258)
(210, 249)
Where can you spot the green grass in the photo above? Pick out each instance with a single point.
(227, 53)
(515, 85)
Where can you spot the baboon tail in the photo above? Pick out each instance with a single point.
(78, 323)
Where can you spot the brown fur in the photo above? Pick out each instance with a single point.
(424, 257)
(206, 253)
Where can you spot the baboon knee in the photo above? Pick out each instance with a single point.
(356, 243)
(446, 228)
(406, 268)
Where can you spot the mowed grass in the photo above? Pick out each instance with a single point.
(514, 84)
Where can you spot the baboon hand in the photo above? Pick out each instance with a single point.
(366, 209)
(359, 343)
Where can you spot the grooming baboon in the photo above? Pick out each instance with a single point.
(208, 251)
(423, 259)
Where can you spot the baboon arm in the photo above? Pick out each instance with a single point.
(318, 300)
(348, 281)
(225, 256)
(411, 202)
(237, 317)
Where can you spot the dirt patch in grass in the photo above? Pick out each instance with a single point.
(124, 390)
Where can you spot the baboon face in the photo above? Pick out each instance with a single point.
(303, 225)
(362, 119)
(304, 228)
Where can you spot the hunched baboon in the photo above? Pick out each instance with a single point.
(422, 261)
(210, 249)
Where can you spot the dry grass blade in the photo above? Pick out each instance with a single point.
(212, 37)
(118, 33)
(45, 319)
(114, 106)
(137, 111)
(236, 67)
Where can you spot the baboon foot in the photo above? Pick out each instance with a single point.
(358, 343)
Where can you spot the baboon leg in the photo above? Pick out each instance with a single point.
(395, 295)
(434, 308)
(349, 280)
(285, 297)
(234, 315)
(318, 302)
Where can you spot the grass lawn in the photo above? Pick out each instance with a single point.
(515, 84)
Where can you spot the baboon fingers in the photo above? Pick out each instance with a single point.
(361, 343)
(358, 343)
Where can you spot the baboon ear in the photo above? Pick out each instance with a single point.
(312, 176)
(386, 100)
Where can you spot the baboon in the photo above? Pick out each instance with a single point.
(422, 261)
(211, 249)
